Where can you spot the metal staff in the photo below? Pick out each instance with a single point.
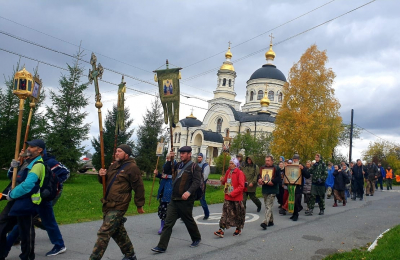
(23, 83)
(94, 75)
(120, 118)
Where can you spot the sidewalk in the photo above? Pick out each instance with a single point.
(341, 228)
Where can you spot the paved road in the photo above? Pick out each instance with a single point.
(341, 228)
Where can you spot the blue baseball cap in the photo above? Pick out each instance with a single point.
(37, 143)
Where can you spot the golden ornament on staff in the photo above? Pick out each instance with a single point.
(159, 151)
(23, 88)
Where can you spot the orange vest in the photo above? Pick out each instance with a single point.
(389, 174)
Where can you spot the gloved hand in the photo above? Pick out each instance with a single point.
(8, 196)
(14, 163)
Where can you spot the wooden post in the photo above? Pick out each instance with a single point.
(16, 154)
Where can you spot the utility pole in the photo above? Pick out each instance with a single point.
(351, 135)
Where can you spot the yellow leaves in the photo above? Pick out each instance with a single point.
(308, 120)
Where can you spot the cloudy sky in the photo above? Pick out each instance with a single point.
(136, 37)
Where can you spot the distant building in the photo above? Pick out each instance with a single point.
(263, 100)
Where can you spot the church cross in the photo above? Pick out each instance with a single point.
(272, 37)
(95, 74)
(229, 44)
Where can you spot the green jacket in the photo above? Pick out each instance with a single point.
(251, 172)
(319, 173)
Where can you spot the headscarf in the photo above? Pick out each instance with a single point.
(283, 158)
(235, 161)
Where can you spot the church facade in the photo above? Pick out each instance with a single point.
(225, 117)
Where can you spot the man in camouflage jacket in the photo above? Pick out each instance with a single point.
(319, 175)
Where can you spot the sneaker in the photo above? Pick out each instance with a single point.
(295, 217)
(220, 233)
(195, 243)
(264, 226)
(321, 212)
(237, 232)
(130, 257)
(367, 194)
(158, 249)
(270, 224)
(206, 217)
(56, 250)
(334, 205)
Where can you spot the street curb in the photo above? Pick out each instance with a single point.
(373, 245)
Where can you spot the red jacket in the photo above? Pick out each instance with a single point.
(238, 179)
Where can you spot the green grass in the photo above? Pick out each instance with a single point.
(387, 248)
(214, 176)
(80, 201)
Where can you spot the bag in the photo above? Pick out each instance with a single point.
(51, 186)
(200, 190)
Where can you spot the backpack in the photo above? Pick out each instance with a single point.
(51, 185)
(200, 190)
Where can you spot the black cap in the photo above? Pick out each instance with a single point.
(37, 143)
(185, 149)
(126, 148)
(296, 156)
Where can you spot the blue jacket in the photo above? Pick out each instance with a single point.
(383, 172)
(330, 180)
(56, 167)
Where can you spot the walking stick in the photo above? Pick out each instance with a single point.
(154, 179)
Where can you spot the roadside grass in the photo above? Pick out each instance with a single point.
(214, 176)
(387, 248)
(80, 200)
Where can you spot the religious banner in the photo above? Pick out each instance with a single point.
(168, 85)
(293, 175)
(160, 148)
(267, 174)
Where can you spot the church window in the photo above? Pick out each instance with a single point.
(280, 97)
(248, 130)
(219, 125)
(260, 95)
(179, 137)
(271, 95)
(191, 136)
(229, 83)
(224, 82)
(251, 95)
(175, 137)
(227, 132)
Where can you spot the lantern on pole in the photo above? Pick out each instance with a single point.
(23, 87)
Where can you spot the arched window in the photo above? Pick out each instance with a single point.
(280, 97)
(224, 82)
(191, 136)
(229, 82)
(271, 95)
(251, 95)
(175, 137)
(219, 125)
(179, 137)
(260, 95)
(248, 130)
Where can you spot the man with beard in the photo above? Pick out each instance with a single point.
(358, 180)
(372, 176)
(299, 188)
(251, 171)
(319, 174)
(122, 177)
(24, 201)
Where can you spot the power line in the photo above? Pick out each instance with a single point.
(280, 42)
(396, 145)
(234, 46)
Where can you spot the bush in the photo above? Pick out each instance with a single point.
(219, 161)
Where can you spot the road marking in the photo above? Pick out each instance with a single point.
(215, 217)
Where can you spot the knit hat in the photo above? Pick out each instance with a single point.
(200, 154)
(126, 148)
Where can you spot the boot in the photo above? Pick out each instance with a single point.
(344, 203)
(310, 212)
(353, 197)
(295, 217)
(162, 226)
(335, 204)
(361, 197)
(321, 212)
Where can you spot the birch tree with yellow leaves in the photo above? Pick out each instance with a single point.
(308, 121)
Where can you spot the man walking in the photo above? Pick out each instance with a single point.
(372, 176)
(122, 177)
(269, 190)
(205, 169)
(299, 188)
(184, 187)
(381, 177)
(251, 171)
(319, 174)
(389, 177)
(358, 180)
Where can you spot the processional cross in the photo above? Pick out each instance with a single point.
(272, 37)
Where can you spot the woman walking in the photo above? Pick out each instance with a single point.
(233, 211)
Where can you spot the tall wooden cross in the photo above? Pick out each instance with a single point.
(272, 37)
(94, 75)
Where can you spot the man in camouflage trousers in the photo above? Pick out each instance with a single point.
(319, 175)
(122, 177)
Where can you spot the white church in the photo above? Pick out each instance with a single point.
(225, 115)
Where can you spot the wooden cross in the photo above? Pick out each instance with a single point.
(95, 74)
(272, 37)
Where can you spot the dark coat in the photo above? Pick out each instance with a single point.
(372, 171)
(120, 194)
(251, 172)
(340, 183)
(189, 181)
(266, 189)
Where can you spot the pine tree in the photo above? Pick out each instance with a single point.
(123, 137)
(66, 117)
(148, 134)
(308, 121)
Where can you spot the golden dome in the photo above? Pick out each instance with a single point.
(228, 54)
(191, 116)
(270, 54)
(265, 100)
(227, 66)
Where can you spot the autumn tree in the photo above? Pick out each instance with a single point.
(308, 121)
(258, 146)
